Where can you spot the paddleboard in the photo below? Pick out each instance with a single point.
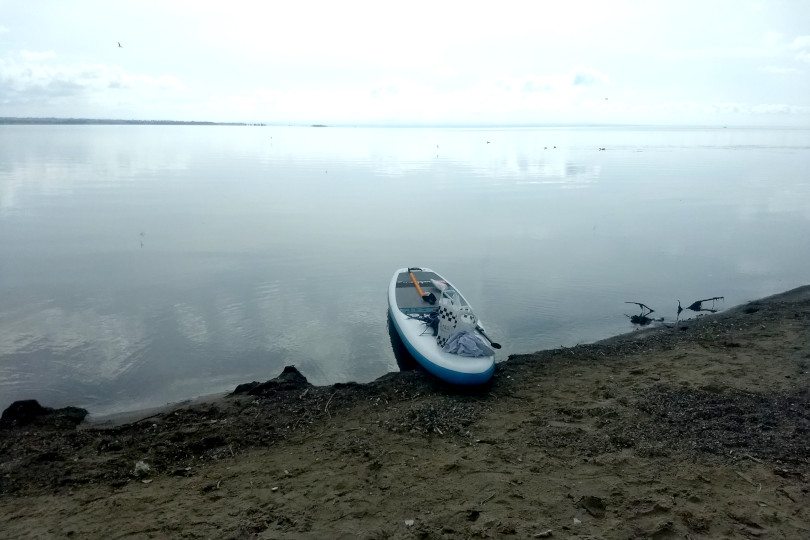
(439, 328)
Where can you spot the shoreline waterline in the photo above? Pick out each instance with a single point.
(694, 430)
(136, 415)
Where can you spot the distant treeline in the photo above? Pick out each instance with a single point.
(96, 121)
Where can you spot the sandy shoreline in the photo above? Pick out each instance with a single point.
(696, 431)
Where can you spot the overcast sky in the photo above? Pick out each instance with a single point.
(713, 62)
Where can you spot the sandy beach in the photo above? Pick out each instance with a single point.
(699, 430)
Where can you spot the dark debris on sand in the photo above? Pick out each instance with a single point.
(55, 455)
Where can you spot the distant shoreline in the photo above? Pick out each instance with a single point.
(451, 125)
(98, 121)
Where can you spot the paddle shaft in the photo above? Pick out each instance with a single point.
(416, 284)
(481, 331)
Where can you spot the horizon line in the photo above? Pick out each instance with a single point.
(54, 120)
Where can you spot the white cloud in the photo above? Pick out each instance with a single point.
(771, 44)
(34, 56)
(525, 99)
(802, 45)
(779, 70)
(469, 64)
(584, 76)
(33, 79)
(574, 96)
(782, 109)
(772, 40)
(561, 84)
(801, 42)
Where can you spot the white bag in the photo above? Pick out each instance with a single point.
(453, 317)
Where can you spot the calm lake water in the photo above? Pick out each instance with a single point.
(141, 265)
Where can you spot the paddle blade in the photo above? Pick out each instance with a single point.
(492, 343)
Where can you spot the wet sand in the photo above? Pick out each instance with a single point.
(701, 430)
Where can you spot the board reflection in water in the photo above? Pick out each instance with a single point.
(405, 360)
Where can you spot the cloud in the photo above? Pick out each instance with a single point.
(573, 96)
(771, 44)
(564, 83)
(34, 78)
(802, 45)
(779, 109)
(35, 56)
(779, 70)
(523, 99)
(801, 42)
(398, 100)
(772, 40)
(584, 76)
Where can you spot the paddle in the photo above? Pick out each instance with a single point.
(430, 298)
(481, 331)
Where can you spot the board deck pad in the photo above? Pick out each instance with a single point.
(408, 299)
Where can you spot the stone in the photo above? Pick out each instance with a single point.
(29, 411)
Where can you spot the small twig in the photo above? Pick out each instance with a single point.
(326, 409)
(741, 475)
(485, 500)
(219, 482)
(752, 458)
(338, 518)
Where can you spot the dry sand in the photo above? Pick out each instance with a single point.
(696, 431)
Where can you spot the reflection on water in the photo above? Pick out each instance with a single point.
(145, 264)
(405, 360)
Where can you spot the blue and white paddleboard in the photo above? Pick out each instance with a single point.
(438, 327)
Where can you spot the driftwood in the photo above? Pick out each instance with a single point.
(697, 305)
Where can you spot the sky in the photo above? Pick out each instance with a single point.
(664, 62)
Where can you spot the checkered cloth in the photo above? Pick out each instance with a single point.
(453, 319)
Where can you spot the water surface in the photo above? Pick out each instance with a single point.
(145, 264)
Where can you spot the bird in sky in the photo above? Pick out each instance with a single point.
(119, 44)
